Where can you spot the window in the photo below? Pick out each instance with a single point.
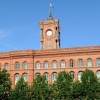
(38, 65)
(17, 65)
(54, 76)
(98, 62)
(72, 75)
(63, 64)
(89, 62)
(54, 64)
(80, 62)
(46, 75)
(17, 77)
(25, 77)
(80, 75)
(45, 64)
(6, 66)
(25, 65)
(37, 74)
(71, 63)
(98, 74)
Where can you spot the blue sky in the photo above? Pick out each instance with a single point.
(20, 30)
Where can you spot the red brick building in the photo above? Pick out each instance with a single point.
(51, 59)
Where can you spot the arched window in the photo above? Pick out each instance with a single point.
(80, 62)
(46, 65)
(0, 67)
(89, 62)
(25, 77)
(98, 74)
(37, 74)
(6, 66)
(80, 75)
(72, 75)
(71, 63)
(98, 62)
(63, 64)
(17, 77)
(46, 75)
(25, 65)
(38, 65)
(54, 76)
(54, 64)
(17, 65)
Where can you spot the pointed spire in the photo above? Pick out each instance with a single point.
(50, 13)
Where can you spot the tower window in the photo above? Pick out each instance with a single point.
(56, 28)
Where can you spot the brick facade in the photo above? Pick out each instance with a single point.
(51, 60)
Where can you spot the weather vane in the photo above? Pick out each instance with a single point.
(50, 14)
(51, 6)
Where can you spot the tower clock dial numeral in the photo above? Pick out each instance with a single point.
(49, 33)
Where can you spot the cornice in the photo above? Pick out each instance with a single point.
(69, 51)
(18, 53)
(62, 51)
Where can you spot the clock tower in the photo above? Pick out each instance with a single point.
(50, 33)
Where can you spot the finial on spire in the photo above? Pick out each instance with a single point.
(50, 13)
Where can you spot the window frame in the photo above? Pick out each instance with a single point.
(89, 62)
(17, 65)
(71, 63)
(63, 64)
(38, 65)
(54, 64)
(80, 62)
(98, 62)
(46, 64)
(25, 65)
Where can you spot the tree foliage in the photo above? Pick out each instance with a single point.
(62, 87)
(40, 89)
(21, 91)
(90, 85)
(5, 85)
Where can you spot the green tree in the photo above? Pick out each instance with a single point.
(90, 85)
(62, 86)
(40, 89)
(21, 91)
(76, 91)
(5, 85)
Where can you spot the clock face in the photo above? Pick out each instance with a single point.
(49, 33)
